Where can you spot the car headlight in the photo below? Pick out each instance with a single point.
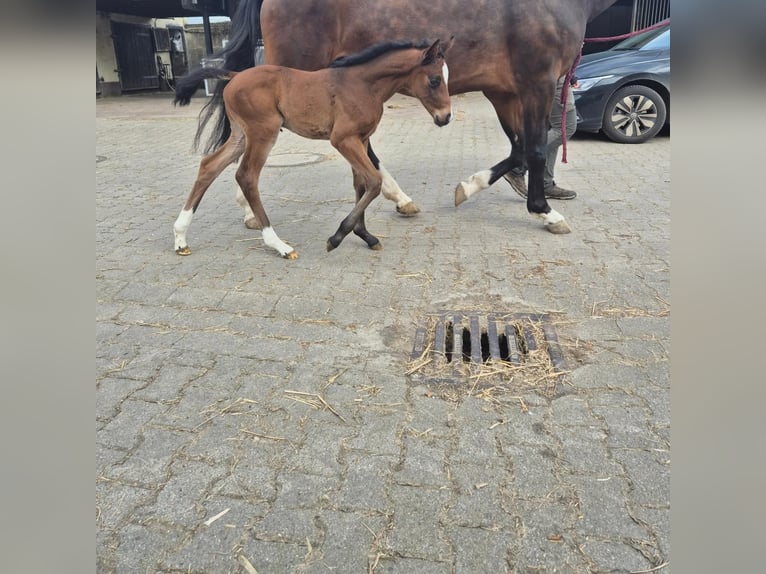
(586, 84)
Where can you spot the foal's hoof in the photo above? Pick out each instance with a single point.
(460, 195)
(559, 228)
(252, 223)
(292, 255)
(183, 250)
(376, 246)
(408, 209)
(330, 246)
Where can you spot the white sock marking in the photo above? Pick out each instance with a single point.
(271, 239)
(551, 217)
(391, 190)
(181, 226)
(477, 182)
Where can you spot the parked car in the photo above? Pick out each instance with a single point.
(625, 91)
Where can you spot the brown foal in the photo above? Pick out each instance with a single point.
(342, 104)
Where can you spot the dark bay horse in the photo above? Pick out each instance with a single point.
(342, 103)
(511, 50)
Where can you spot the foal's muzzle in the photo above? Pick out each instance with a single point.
(442, 119)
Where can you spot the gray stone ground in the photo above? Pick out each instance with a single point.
(200, 361)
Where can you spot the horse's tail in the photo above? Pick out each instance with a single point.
(238, 54)
(187, 85)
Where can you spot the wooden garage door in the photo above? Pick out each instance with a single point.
(134, 49)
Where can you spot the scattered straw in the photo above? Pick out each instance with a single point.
(228, 409)
(246, 564)
(212, 519)
(651, 569)
(313, 400)
(258, 435)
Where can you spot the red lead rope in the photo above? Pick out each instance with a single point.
(570, 73)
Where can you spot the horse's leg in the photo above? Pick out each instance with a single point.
(507, 109)
(210, 168)
(368, 181)
(537, 106)
(261, 137)
(250, 221)
(391, 190)
(532, 139)
(360, 229)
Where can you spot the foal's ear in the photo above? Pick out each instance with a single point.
(430, 55)
(444, 47)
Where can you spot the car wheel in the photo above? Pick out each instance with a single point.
(634, 114)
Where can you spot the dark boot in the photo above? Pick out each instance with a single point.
(553, 191)
(516, 178)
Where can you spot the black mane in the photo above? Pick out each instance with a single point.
(372, 52)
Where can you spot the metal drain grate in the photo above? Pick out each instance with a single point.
(476, 338)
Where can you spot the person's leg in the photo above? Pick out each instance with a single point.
(552, 191)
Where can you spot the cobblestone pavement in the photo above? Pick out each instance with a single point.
(262, 415)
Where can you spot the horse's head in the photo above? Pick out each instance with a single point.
(429, 82)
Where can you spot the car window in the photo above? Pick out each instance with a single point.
(652, 40)
(661, 42)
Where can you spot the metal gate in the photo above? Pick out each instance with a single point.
(134, 49)
(649, 12)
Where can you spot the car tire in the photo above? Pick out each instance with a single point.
(634, 114)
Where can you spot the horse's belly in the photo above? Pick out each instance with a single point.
(310, 131)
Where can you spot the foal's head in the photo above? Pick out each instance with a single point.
(428, 82)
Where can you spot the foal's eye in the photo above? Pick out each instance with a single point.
(435, 81)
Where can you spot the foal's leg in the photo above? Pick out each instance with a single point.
(210, 168)
(261, 137)
(360, 229)
(367, 178)
(391, 190)
(250, 221)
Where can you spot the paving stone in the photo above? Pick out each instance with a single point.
(476, 491)
(478, 550)
(649, 473)
(424, 462)
(366, 481)
(614, 556)
(416, 532)
(349, 541)
(124, 430)
(110, 394)
(534, 473)
(602, 503)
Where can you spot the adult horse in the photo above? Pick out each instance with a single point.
(513, 51)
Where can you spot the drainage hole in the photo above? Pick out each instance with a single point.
(504, 351)
(484, 347)
(466, 345)
(449, 340)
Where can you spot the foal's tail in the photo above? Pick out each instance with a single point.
(238, 54)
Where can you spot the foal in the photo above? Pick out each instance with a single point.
(342, 103)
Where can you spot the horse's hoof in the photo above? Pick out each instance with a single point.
(460, 195)
(408, 209)
(330, 246)
(376, 246)
(292, 255)
(559, 228)
(183, 250)
(252, 223)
